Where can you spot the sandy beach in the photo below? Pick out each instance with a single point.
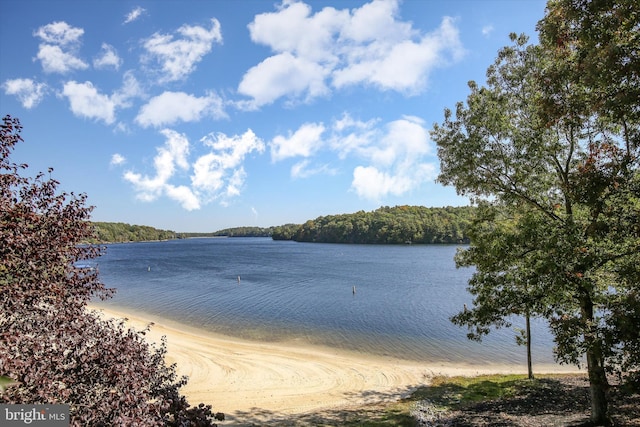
(241, 377)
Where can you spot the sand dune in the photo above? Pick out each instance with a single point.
(245, 377)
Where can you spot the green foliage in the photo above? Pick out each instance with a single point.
(6, 382)
(396, 225)
(285, 232)
(457, 392)
(117, 232)
(550, 149)
(233, 232)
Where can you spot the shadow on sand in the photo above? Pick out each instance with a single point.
(368, 405)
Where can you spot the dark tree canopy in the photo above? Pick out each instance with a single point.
(115, 232)
(51, 346)
(386, 225)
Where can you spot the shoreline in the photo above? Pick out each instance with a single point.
(239, 376)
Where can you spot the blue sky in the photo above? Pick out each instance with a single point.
(201, 115)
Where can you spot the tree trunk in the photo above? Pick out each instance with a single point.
(529, 365)
(597, 386)
(595, 367)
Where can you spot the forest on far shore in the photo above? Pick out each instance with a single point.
(120, 232)
(385, 225)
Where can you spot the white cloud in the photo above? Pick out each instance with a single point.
(59, 33)
(303, 169)
(108, 58)
(292, 29)
(54, 59)
(487, 30)
(86, 101)
(303, 142)
(28, 92)
(282, 75)
(403, 66)
(353, 136)
(117, 159)
(399, 154)
(171, 156)
(370, 183)
(376, 21)
(130, 89)
(172, 107)
(134, 15)
(234, 184)
(218, 174)
(178, 57)
(405, 139)
(184, 196)
(369, 45)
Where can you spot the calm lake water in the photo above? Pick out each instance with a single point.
(303, 292)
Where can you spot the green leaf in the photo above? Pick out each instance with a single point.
(6, 382)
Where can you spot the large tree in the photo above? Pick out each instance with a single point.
(52, 348)
(539, 144)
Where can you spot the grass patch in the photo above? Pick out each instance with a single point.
(457, 392)
(446, 394)
(394, 414)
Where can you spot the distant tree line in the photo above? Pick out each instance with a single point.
(386, 225)
(116, 232)
(233, 232)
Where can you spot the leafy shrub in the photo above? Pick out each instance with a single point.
(50, 344)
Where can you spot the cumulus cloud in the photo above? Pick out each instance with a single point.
(86, 101)
(403, 66)
(172, 107)
(217, 174)
(303, 142)
(55, 60)
(178, 56)
(220, 173)
(184, 196)
(59, 33)
(58, 53)
(396, 156)
(332, 48)
(134, 15)
(282, 75)
(108, 58)
(169, 157)
(28, 92)
(353, 136)
(399, 157)
(294, 29)
(117, 159)
(371, 183)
